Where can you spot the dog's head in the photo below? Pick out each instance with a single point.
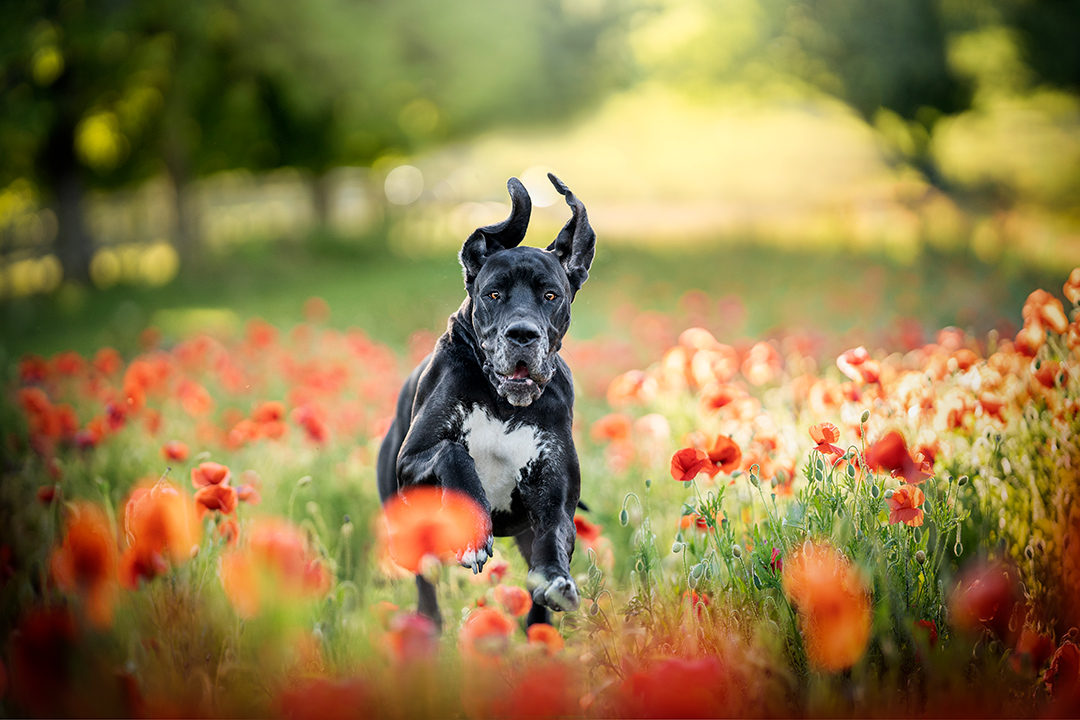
(521, 295)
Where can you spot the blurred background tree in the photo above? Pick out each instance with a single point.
(103, 95)
(977, 99)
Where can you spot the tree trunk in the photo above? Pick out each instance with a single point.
(74, 247)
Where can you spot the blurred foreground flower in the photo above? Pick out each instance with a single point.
(677, 687)
(411, 638)
(274, 565)
(426, 520)
(41, 652)
(86, 561)
(547, 636)
(833, 603)
(986, 595)
(486, 634)
(321, 698)
(161, 528)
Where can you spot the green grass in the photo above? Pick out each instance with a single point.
(853, 298)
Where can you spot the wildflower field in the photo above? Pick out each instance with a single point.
(774, 528)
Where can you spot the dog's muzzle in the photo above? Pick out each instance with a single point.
(519, 364)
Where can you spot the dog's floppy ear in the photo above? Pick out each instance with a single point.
(576, 243)
(490, 239)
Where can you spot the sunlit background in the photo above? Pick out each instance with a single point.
(813, 162)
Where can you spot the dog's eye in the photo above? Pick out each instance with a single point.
(494, 295)
(550, 296)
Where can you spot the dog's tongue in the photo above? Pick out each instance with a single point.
(520, 372)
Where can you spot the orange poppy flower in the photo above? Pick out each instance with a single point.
(210, 473)
(891, 453)
(1042, 307)
(687, 463)
(275, 564)
(175, 450)
(904, 506)
(86, 561)
(611, 427)
(857, 365)
(546, 635)
(630, 387)
(1071, 290)
(270, 411)
(824, 435)
(516, 600)
(833, 605)
(724, 456)
(762, 364)
(485, 634)
(161, 527)
(427, 520)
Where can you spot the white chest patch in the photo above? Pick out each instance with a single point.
(500, 454)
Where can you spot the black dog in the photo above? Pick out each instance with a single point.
(488, 413)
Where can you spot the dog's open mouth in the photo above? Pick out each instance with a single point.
(520, 374)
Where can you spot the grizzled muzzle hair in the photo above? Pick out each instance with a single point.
(520, 296)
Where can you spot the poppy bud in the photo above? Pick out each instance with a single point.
(648, 483)
(624, 517)
(865, 416)
(889, 493)
(962, 481)
(306, 480)
(736, 551)
(1029, 552)
(676, 546)
(754, 480)
(920, 557)
(875, 490)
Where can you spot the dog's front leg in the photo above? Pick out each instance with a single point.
(448, 465)
(552, 520)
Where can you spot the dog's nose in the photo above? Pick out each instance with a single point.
(523, 333)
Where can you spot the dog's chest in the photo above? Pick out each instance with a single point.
(499, 453)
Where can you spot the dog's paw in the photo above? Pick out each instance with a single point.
(475, 558)
(558, 593)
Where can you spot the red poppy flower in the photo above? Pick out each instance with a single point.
(547, 636)
(270, 411)
(486, 634)
(928, 629)
(516, 600)
(587, 532)
(210, 473)
(824, 435)
(724, 456)
(1031, 652)
(85, 563)
(904, 506)
(432, 521)
(986, 596)
(175, 450)
(890, 453)
(611, 427)
(687, 463)
(1062, 678)
(216, 497)
(776, 562)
